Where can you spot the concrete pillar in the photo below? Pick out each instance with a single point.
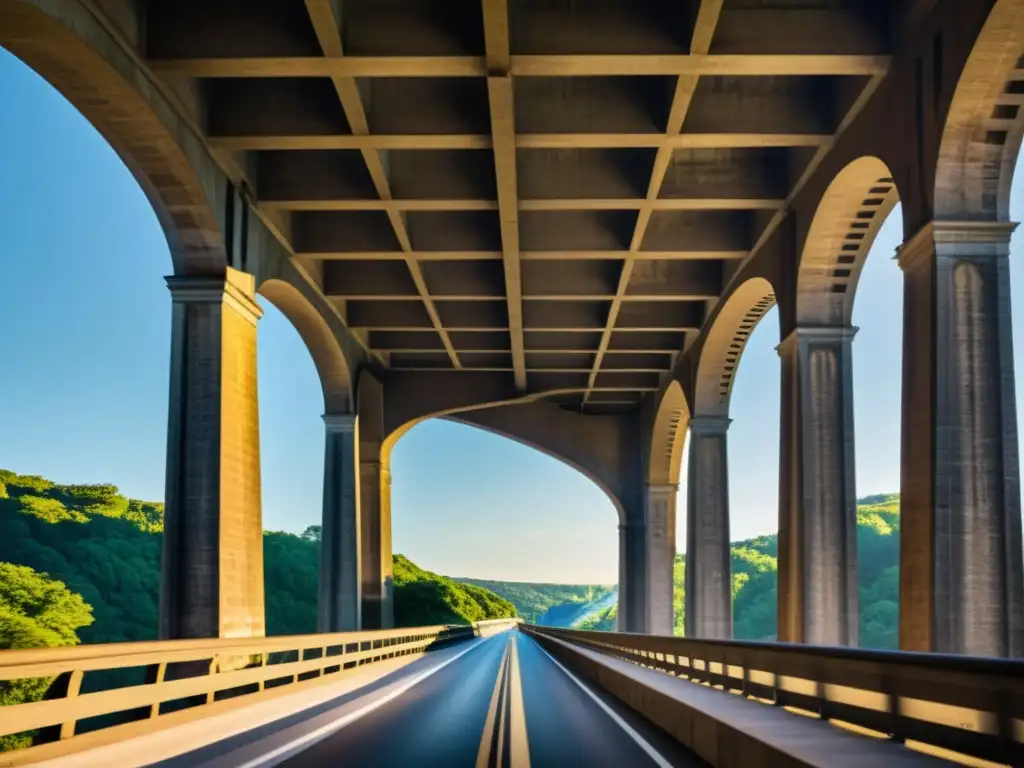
(708, 572)
(661, 552)
(375, 522)
(338, 602)
(818, 597)
(961, 573)
(212, 567)
(631, 615)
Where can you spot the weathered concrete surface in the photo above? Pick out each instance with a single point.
(660, 556)
(961, 571)
(377, 596)
(212, 572)
(339, 605)
(708, 569)
(818, 597)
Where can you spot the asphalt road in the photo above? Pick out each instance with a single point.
(501, 702)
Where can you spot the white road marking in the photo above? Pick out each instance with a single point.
(276, 756)
(660, 761)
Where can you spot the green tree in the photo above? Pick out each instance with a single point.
(35, 612)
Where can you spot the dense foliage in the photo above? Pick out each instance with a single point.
(543, 603)
(82, 563)
(754, 580)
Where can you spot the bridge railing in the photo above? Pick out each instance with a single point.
(968, 705)
(173, 675)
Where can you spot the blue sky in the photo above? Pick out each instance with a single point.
(83, 390)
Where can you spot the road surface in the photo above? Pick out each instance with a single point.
(498, 702)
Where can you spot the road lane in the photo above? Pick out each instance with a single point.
(438, 722)
(499, 702)
(566, 727)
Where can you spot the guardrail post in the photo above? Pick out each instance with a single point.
(161, 673)
(67, 730)
(210, 694)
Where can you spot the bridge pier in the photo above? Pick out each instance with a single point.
(378, 610)
(961, 573)
(339, 602)
(212, 565)
(708, 571)
(661, 552)
(632, 611)
(818, 600)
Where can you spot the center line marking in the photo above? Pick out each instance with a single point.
(483, 756)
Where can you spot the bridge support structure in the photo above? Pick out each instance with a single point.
(212, 566)
(818, 589)
(708, 573)
(961, 572)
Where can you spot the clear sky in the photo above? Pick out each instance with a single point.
(85, 320)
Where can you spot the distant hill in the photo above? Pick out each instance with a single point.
(755, 579)
(106, 548)
(553, 605)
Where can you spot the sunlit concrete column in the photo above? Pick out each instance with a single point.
(631, 613)
(375, 529)
(661, 552)
(708, 573)
(338, 603)
(961, 574)
(818, 601)
(212, 567)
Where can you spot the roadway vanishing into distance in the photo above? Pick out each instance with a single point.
(493, 702)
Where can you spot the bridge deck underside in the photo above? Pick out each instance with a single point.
(552, 191)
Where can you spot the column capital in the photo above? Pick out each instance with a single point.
(956, 238)
(710, 425)
(236, 289)
(662, 489)
(809, 333)
(340, 422)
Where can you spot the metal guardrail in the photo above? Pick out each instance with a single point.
(183, 674)
(968, 705)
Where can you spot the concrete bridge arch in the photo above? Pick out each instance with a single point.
(93, 66)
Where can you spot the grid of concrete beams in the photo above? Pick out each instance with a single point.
(556, 189)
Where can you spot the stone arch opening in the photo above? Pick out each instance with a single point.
(475, 419)
(668, 437)
(848, 217)
(723, 348)
(985, 123)
(62, 42)
(323, 346)
(562, 502)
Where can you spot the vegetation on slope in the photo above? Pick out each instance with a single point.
(81, 563)
(537, 603)
(754, 580)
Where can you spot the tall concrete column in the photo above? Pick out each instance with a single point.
(708, 572)
(961, 572)
(631, 615)
(375, 521)
(661, 552)
(818, 599)
(212, 566)
(338, 602)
